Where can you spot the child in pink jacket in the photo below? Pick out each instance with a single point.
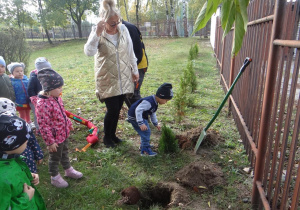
(54, 125)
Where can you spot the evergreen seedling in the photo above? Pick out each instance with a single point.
(167, 141)
(191, 76)
(180, 99)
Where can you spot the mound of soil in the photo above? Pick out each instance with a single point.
(201, 176)
(188, 139)
(130, 195)
(165, 194)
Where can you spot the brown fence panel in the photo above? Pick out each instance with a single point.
(265, 103)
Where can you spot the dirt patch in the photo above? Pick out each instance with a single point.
(123, 112)
(201, 176)
(188, 139)
(166, 194)
(130, 195)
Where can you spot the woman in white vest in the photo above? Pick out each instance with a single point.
(115, 66)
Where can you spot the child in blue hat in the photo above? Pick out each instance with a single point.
(140, 111)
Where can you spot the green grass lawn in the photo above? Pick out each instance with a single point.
(108, 171)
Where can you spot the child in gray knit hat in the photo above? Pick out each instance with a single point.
(20, 83)
(34, 85)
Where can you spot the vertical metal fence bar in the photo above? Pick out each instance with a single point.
(286, 133)
(267, 101)
(296, 192)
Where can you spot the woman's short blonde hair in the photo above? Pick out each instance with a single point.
(108, 9)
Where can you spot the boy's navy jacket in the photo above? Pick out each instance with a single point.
(146, 113)
(34, 85)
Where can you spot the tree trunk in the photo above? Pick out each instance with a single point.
(48, 36)
(79, 28)
(137, 13)
(173, 24)
(155, 17)
(184, 18)
(125, 5)
(167, 15)
(43, 20)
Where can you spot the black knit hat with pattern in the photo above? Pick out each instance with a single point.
(165, 91)
(14, 132)
(50, 79)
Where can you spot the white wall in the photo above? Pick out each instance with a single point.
(213, 27)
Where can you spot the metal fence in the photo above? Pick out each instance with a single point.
(265, 103)
(156, 29)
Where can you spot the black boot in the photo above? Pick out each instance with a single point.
(116, 140)
(108, 142)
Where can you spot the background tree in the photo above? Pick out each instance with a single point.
(137, 7)
(126, 10)
(43, 19)
(167, 17)
(184, 18)
(75, 8)
(13, 12)
(14, 47)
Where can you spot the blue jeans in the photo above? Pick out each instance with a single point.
(145, 135)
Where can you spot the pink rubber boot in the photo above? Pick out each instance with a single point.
(72, 173)
(58, 181)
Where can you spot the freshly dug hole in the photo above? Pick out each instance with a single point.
(166, 194)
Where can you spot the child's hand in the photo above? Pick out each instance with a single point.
(29, 190)
(71, 128)
(158, 127)
(143, 127)
(36, 179)
(52, 147)
(39, 161)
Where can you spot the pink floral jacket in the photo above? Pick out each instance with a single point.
(53, 122)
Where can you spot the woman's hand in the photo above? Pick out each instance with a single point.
(100, 27)
(52, 147)
(135, 77)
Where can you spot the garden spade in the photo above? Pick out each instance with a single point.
(203, 133)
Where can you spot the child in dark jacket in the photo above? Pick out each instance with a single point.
(6, 88)
(17, 184)
(54, 126)
(34, 85)
(33, 153)
(140, 111)
(20, 82)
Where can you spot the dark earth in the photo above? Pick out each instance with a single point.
(197, 177)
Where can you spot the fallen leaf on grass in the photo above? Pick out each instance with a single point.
(196, 189)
